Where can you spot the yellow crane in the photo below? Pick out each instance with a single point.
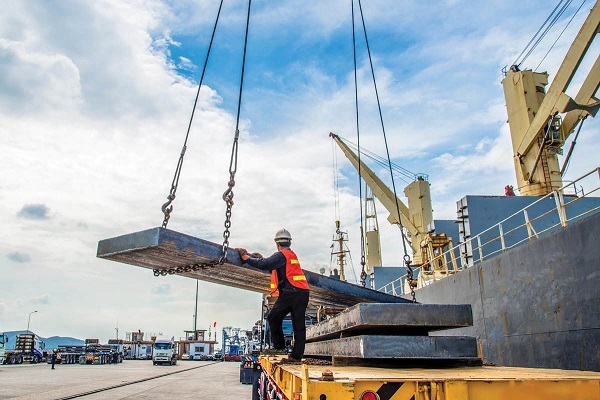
(416, 218)
(538, 131)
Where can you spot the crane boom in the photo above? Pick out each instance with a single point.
(585, 96)
(417, 218)
(537, 131)
(379, 189)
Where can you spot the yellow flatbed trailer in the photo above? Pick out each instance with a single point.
(329, 382)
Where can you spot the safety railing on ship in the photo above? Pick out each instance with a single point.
(545, 215)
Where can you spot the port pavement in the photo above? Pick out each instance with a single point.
(217, 381)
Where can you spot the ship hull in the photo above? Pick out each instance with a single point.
(536, 305)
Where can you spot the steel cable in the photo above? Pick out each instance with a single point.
(560, 35)
(167, 208)
(362, 234)
(548, 24)
(404, 247)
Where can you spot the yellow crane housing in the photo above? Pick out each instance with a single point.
(537, 130)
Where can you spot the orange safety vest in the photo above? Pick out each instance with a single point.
(293, 273)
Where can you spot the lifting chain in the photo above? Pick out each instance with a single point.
(228, 198)
(187, 268)
(167, 208)
(363, 273)
(228, 195)
(409, 277)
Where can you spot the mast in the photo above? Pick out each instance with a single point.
(340, 237)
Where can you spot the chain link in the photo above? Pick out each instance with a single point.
(167, 208)
(409, 276)
(363, 277)
(228, 199)
(188, 268)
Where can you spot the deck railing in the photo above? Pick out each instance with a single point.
(547, 214)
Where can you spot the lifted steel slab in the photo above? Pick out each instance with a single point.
(397, 347)
(392, 319)
(161, 249)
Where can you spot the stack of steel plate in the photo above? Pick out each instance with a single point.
(163, 250)
(399, 332)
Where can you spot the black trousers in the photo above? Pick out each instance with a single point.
(294, 302)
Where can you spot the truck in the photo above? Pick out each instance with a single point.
(374, 351)
(3, 340)
(28, 348)
(92, 352)
(164, 351)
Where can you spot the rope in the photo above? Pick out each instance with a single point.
(405, 249)
(228, 194)
(167, 208)
(362, 233)
(560, 35)
(399, 172)
(535, 40)
(335, 183)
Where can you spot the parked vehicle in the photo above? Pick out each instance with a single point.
(164, 351)
(28, 348)
(3, 340)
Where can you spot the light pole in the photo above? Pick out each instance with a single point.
(29, 320)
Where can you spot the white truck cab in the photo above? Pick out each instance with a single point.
(3, 340)
(164, 351)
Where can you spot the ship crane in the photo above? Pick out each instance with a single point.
(538, 131)
(416, 218)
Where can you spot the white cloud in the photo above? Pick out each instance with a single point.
(94, 114)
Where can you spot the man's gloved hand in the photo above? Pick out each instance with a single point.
(243, 253)
(256, 255)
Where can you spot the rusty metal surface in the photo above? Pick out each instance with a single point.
(161, 249)
(392, 319)
(397, 347)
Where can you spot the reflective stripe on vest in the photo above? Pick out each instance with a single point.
(274, 282)
(293, 271)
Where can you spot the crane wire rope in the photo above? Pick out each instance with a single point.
(407, 261)
(336, 180)
(233, 162)
(167, 208)
(228, 194)
(561, 33)
(363, 274)
(351, 264)
(400, 172)
(543, 30)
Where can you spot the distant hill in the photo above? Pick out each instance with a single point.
(51, 342)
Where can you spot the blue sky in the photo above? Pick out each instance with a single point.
(95, 102)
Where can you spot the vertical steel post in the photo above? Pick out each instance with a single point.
(480, 248)
(196, 314)
(502, 237)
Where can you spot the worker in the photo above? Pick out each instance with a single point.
(289, 281)
(53, 357)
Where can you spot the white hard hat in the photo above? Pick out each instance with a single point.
(283, 235)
